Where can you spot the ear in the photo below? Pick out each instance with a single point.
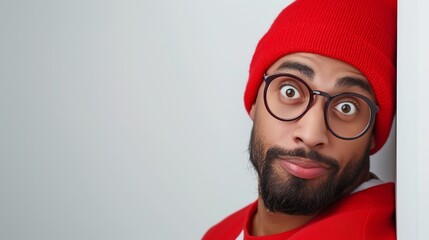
(372, 144)
(252, 112)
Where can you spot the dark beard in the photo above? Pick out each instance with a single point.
(297, 196)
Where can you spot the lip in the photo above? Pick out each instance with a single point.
(304, 168)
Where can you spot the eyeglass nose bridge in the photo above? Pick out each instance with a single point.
(319, 93)
(310, 105)
(325, 106)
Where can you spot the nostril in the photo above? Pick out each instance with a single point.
(298, 139)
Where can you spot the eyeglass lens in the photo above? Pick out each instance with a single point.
(347, 115)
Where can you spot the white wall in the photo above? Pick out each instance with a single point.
(413, 120)
(124, 119)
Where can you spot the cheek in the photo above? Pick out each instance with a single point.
(273, 131)
(351, 150)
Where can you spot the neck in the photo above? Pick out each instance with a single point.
(267, 223)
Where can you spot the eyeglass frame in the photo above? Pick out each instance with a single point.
(373, 107)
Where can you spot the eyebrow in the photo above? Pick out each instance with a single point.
(302, 68)
(309, 72)
(353, 81)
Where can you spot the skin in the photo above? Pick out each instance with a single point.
(308, 132)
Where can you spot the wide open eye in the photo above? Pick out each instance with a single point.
(289, 92)
(346, 108)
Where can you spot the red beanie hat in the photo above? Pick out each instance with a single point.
(361, 33)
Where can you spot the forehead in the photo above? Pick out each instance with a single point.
(317, 62)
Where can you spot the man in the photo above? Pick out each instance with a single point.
(321, 95)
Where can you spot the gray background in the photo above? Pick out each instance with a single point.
(125, 119)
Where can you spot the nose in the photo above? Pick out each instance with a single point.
(311, 130)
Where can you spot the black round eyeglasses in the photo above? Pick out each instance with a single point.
(347, 115)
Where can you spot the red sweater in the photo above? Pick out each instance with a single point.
(368, 214)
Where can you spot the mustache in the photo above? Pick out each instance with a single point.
(278, 152)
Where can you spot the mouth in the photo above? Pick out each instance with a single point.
(304, 168)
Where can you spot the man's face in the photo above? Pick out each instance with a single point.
(302, 167)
